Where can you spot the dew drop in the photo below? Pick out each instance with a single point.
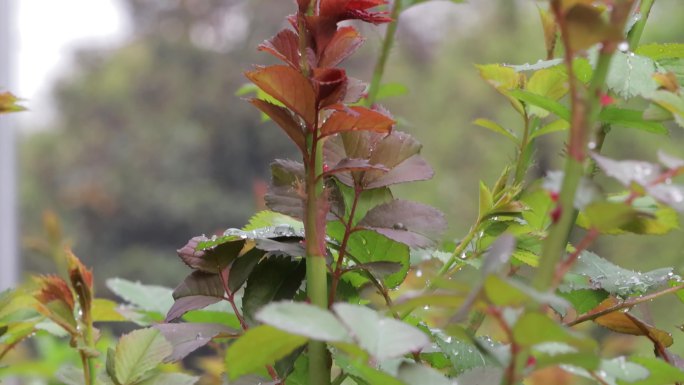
(623, 46)
(426, 307)
(419, 273)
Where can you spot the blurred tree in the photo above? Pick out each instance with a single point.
(151, 144)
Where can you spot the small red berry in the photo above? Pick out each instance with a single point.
(325, 167)
(553, 195)
(531, 361)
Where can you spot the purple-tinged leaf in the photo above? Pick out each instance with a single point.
(355, 91)
(210, 259)
(379, 269)
(412, 169)
(498, 254)
(285, 194)
(197, 291)
(348, 164)
(284, 46)
(628, 171)
(273, 279)
(188, 337)
(397, 150)
(670, 161)
(411, 223)
(283, 118)
(292, 248)
(670, 194)
(186, 304)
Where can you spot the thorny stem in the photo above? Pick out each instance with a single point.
(460, 249)
(584, 115)
(520, 169)
(387, 43)
(624, 305)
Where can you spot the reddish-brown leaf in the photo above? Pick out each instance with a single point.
(283, 118)
(354, 9)
(81, 280)
(344, 43)
(54, 288)
(411, 223)
(330, 85)
(284, 46)
(348, 164)
(626, 323)
(289, 87)
(357, 119)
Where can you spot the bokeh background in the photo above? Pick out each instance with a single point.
(138, 142)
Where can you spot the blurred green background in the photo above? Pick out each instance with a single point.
(150, 145)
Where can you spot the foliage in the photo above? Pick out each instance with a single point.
(341, 278)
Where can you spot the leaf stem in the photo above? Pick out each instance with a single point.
(624, 305)
(460, 248)
(387, 43)
(348, 230)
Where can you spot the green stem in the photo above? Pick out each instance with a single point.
(638, 29)
(86, 356)
(458, 251)
(585, 111)
(387, 43)
(522, 163)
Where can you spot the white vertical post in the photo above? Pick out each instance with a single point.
(9, 261)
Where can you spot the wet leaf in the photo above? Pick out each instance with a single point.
(347, 165)
(411, 223)
(304, 320)
(368, 246)
(185, 338)
(628, 171)
(137, 353)
(357, 119)
(259, 346)
(273, 279)
(289, 87)
(657, 51)
(382, 337)
(210, 255)
(600, 273)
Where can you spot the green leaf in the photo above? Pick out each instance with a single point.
(273, 279)
(631, 75)
(104, 310)
(366, 201)
(170, 379)
(550, 83)
(137, 353)
(481, 376)
(485, 201)
(367, 375)
(657, 51)
(304, 320)
(507, 292)
(631, 119)
(600, 273)
(464, 356)
(542, 102)
(367, 246)
(584, 300)
(555, 126)
(152, 298)
(267, 218)
(606, 216)
(504, 80)
(494, 126)
(534, 328)
(380, 336)
(671, 102)
(259, 346)
(414, 373)
(70, 375)
(661, 373)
